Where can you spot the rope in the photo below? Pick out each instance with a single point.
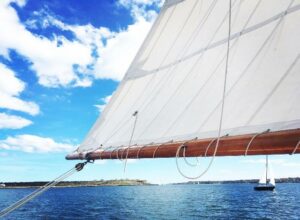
(252, 139)
(184, 157)
(186, 161)
(222, 107)
(212, 141)
(266, 41)
(135, 114)
(297, 145)
(188, 76)
(78, 167)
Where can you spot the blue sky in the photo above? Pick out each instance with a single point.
(60, 61)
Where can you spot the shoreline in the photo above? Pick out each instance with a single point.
(127, 182)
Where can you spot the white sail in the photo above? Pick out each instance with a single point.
(271, 176)
(263, 179)
(175, 81)
(268, 176)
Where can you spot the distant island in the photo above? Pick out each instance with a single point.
(130, 182)
(279, 180)
(116, 182)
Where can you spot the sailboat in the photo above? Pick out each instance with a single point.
(212, 78)
(267, 182)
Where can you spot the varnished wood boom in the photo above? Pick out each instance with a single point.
(279, 142)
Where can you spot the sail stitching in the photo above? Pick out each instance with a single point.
(185, 78)
(222, 107)
(223, 41)
(212, 74)
(247, 67)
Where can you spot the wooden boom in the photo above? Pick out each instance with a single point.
(278, 142)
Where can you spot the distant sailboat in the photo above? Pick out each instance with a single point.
(263, 183)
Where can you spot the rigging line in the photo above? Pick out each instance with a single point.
(164, 26)
(235, 35)
(211, 75)
(187, 45)
(187, 76)
(101, 119)
(177, 36)
(210, 144)
(296, 148)
(222, 108)
(252, 139)
(6, 210)
(78, 167)
(247, 67)
(142, 147)
(203, 21)
(135, 115)
(158, 146)
(184, 157)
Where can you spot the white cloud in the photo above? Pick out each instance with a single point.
(52, 60)
(119, 51)
(33, 143)
(61, 62)
(281, 162)
(10, 89)
(13, 122)
(105, 100)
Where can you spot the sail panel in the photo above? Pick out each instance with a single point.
(175, 81)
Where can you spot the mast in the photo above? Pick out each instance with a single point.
(266, 169)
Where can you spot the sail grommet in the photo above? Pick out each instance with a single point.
(252, 139)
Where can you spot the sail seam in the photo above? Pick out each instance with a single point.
(223, 41)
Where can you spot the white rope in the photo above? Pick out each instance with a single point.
(135, 114)
(42, 189)
(188, 76)
(294, 151)
(187, 162)
(222, 108)
(252, 139)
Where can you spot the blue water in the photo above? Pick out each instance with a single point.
(227, 201)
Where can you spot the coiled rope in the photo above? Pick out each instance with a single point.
(78, 167)
(222, 108)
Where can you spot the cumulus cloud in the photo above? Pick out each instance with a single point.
(32, 143)
(104, 100)
(10, 90)
(119, 51)
(95, 53)
(56, 62)
(13, 122)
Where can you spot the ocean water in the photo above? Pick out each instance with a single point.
(224, 201)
